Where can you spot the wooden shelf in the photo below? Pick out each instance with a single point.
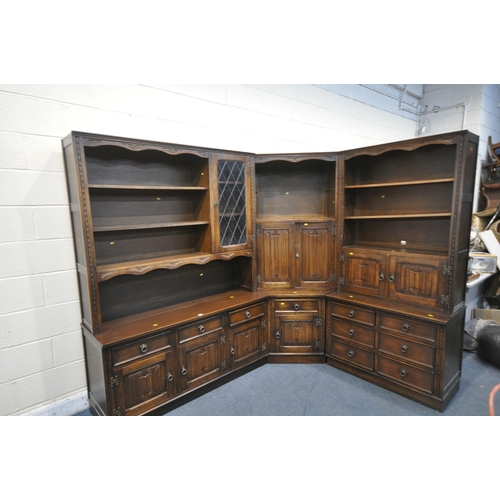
(403, 249)
(397, 216)
(399, 183)
(123, 226)
(146, 187)
(138, 267)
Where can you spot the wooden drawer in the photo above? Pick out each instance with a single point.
(353, 332)
(290, 305)
(246, 314)
(139, 349)
(203, 327)
(351, 313)
(406, 349)
(425, 331)
(352, 355)
(405, 374)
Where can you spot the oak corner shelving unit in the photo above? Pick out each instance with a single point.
(194, 263)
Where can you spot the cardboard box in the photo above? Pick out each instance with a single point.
(492, 314)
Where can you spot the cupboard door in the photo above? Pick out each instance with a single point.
(144, 384)
(299, 333)
(246, 343)
(275, 251)
(314, 262)
(232, 203)
(365, 272)
(417, 280)
(201, 360)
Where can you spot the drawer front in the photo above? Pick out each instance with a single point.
(408, 328)
(350, 313)
(246, 314)
(139, 349)
(352, 355)
(353, 332)
(407, 375)
(290, 305)
(406, 349)
(204, 327)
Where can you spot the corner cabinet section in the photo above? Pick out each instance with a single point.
(297, 334)
(232, 202)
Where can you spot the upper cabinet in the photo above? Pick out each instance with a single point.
(147, 215)
(295, 221)
(405, 211)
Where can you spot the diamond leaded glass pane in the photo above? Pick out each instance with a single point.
(232, 202)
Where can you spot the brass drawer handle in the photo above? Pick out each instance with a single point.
(247, 314)
(352, 332)
(277, 334)
(404, 349)
(296, 307)
(381, 277)
(201, 328)
(143, 348)
(392, 278)
(350, 354)
(170, 377)
(233, 350)
(184, 371)
(406, 327)
(351, 314)
(403, 373)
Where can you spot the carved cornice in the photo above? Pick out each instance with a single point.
(140, 146)
(407, 146)
(295, 158)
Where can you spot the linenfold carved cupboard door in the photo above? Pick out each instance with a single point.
(364, 272)
(294, 255)
(418, 280)
(314, 256)
(275, 255)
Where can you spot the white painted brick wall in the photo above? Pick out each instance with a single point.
(41, 352)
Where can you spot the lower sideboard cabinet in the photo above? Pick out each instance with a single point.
(143, 363)
(142, 374)
(298, 330)
(416, 355)
(201, 352)
(247, 339)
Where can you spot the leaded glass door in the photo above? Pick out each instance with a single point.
(233, 210)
